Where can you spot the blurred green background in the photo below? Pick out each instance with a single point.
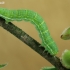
(56, 14)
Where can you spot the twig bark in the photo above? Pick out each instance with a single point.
(31, 43)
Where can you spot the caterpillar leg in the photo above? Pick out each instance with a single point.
(48, 68)
(41, 46)
(7, 21)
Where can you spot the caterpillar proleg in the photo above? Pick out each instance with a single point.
(37, 20)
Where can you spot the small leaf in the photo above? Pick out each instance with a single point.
(2, 65)
(48, 68)
(66, 34)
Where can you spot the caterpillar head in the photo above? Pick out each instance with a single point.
(66, 34)
(65, 59)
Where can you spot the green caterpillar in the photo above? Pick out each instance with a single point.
(37, 20)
